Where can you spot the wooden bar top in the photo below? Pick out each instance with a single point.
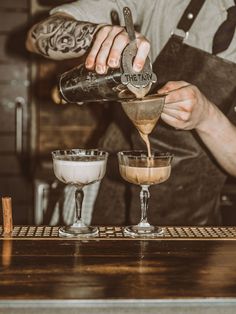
(110, 274)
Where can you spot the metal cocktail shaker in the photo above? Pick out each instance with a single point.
(79, 85)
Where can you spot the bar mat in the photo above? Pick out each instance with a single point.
(116, 233)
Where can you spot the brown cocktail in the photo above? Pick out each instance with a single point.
(138, 168)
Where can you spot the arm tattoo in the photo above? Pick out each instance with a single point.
(62, 37)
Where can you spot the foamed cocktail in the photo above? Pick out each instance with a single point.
(80, 171)
(79, 167)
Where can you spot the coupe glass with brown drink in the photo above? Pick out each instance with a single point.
(138, 168)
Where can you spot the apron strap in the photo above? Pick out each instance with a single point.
(190, 15)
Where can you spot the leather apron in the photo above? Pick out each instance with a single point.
(191, 196)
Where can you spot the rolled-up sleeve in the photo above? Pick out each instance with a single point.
(99, 11)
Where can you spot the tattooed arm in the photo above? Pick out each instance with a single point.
(61, 37)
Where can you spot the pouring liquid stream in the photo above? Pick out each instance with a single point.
(147, 142)
(144, 128)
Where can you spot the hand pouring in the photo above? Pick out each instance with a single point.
(79, 85)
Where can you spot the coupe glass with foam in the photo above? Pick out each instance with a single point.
(79, 167)
(137, 168)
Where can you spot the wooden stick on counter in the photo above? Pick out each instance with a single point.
(7, 215)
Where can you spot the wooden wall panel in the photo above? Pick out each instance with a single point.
(14, 63)
(12, 49)
(8, 142)
(12, 166)
(14, 4)
(20, 194)
(11, 20)
(8, 96)
(14, 73)
(63, 126)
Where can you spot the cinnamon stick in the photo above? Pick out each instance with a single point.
(7, 215)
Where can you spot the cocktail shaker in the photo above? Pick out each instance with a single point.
(79, 85)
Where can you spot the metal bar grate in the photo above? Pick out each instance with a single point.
(106, 233)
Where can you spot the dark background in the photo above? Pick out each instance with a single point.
(32, 125)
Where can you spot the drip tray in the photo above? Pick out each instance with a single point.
(116, 233)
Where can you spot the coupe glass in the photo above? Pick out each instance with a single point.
(137, 168)
(79, 167)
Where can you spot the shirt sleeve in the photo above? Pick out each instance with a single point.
(99, 11)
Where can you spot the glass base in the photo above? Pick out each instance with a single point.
(144, 230)
(78, 230)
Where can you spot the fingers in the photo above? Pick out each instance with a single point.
(180, 101)
(119, 44)
(177, 112)
(170, 120)
(181, 96)
(142, 53)
(116, 35)
(101, 36)
(108, 46)
(97, 57)
(184, 105)
(171, 86)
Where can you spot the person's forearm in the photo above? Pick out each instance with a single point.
(61, 37)
(219, 135)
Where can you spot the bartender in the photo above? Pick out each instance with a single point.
(193, 49)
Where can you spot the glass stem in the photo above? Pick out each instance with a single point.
(79, 196)
(144, 197)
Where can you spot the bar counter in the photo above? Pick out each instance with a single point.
(188, 270)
